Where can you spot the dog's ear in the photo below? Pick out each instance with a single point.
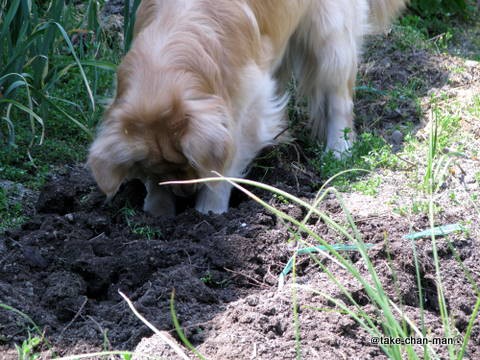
(111, 156)
(207, 143)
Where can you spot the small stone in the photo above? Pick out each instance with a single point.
(246, 319)
(271, 335)
(69, 217)
(397, 137)
(98, 223)
(470, 179)
(252, 301)
(34, 258)
(270, 311)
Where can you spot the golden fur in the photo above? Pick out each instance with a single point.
(199, 90)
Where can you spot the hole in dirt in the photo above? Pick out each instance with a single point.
(133, 192)
(97, 281)
(130, 194)
(237, 198)
(360, 297)
(184, 203)
(430, 294)
(96, 288)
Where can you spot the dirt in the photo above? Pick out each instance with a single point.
(65, 265)
(63, 268)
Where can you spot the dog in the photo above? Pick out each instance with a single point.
(203, 89)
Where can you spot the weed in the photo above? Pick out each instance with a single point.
(419, 207)
(209, 280)
(281, 199)
(433, 7)
(50, 82)
(368, 186)
(474, 109)
(368, 152)
(129, 12)
(407, 36)
(11, 214)
(477, 177)
(26, 351)
(434, 15)
(147, 232)
(143, 230)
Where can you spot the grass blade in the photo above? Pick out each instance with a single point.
(74, 54)
(170, 343)
(178, 328)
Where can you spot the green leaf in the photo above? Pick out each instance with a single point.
(437, 231)
(313, 249)
(74, 54)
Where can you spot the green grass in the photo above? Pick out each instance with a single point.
(372, 151)
(138, 228)
(474, 109)
(209, 280)
(26, 160)
(52, 83)
(368, 186)
(10, 213)
(369, 152)
(27, 350)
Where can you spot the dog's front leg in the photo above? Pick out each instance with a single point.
(340, 128)
(214, 197)
(159, 200)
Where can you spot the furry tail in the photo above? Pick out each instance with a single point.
(382, 12)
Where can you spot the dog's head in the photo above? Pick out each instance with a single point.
(168, 136)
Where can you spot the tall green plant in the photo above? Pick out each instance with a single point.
(129, 14)
(36, 52)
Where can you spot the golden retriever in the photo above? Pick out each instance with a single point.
(202, 89)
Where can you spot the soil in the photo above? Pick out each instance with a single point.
(64, 267)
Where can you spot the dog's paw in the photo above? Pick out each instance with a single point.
(341, 145)
(213, 200)
(340, 149)
(159, 203)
